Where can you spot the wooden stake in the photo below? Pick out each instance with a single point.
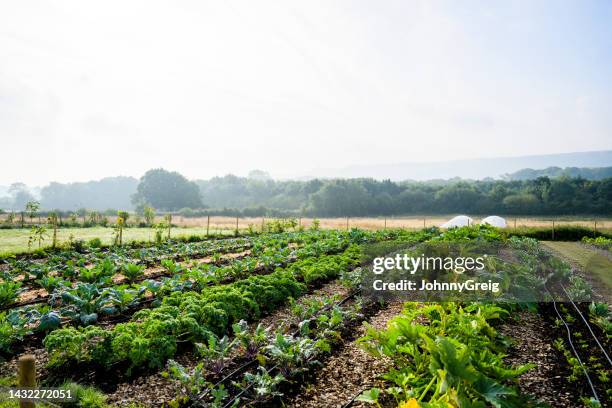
(54, 219)
(207, 224)
(347, 223)
(27, 376)
(263, 224)
(423, 222)
(515, 223)
(385, 222)
(595, 228)
(236, 226)
(553, 230)
(169, 224)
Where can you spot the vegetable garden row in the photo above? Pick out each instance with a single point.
(251, 321)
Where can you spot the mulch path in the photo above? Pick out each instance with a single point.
(348, 372)
(532, 343)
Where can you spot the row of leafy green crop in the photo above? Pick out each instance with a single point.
(58, 273)
(86, 302)
(600, 242)
(69, 263)
(597, 368)
(192, 317)
(283, 356)
(449, 354)
(103, 273)
(455, 359)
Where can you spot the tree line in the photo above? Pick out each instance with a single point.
(258, 195)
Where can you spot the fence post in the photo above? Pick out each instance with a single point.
(553, 230)
(514, 223)
(385, 222)
(207, 224)
(424, 223)
(347, 223)
(54, 220)
(236, 225)
(27, 376)
(595, 228)
(169, 224)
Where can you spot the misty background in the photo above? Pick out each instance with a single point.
(346, 108)
(301, 89)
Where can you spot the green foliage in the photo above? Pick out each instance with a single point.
(483, 232)
(148, 213)
(199, 318)
(85, 396)
(32, 208)
(86, 302)
(37, 234)
(51, 283)
(601, 242)
(9, 292)
(457, 356)
(561, 233)
(80, 346)
(94, 243)
(132, 271)
(167, 191)
(370, 396)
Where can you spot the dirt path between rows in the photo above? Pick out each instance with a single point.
(532, 343)
(348, 372)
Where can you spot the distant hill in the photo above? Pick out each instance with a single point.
(589, 173)
(469, 169)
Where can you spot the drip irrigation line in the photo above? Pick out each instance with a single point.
(587, 325)
(231, 402)
(569, 338)
(352, 400)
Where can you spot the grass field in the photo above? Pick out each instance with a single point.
(16, 240)
(412, 222)
(590, 260)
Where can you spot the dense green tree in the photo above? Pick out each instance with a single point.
(522, 204)
(256, 196)
(167, 190)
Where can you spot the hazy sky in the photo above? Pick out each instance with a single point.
(92, 89)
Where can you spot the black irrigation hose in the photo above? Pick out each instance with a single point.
(569, 338)
(587, 325)
(237, 396)
(227, 377)
(352, 400)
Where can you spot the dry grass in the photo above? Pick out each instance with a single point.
(410, 222)
(16, 240)
(413, 222)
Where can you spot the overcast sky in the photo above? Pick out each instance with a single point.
(92, 89)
